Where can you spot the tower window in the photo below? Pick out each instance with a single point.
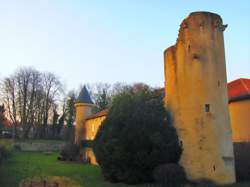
(207, 108)
(195, 56)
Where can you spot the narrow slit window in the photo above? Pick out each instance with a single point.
(207, 108)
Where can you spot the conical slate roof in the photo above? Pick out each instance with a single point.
(84, 96)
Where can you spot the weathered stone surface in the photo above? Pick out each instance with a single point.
(196, 95)
(43, 147)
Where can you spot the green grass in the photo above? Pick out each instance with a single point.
(31, 164)
(36, 164)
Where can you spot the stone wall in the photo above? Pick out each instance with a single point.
(29, 146)
(196, 95)
(240, 120)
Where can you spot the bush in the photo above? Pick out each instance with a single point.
(135, 137)
(70, 152)
(170, 175)
(17, 147)
(5, 152)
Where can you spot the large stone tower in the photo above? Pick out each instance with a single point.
(196, 95)
(83, 107)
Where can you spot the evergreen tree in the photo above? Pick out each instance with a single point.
(2, 110)
(136, 137)
(69, 116)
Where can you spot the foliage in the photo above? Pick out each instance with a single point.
(55, 126)
(2, 117)
(69, 117)
(5, 150)
(4, 153)
(103, 94)
(136, 137)
(70, 109)
(102, 101)
(29, 96)
(170, 175)
(70, 152)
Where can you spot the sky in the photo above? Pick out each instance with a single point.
(110, 41)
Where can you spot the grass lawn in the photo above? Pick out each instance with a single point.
(36, 164)
(31, 164)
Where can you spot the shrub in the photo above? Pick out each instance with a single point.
(170, 175)
(70, 152)
(5, 152)
(17, 147)
(135, 137)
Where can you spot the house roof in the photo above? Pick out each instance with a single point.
(239, 90)
(84, 96)
(7, 123)
(98, 114)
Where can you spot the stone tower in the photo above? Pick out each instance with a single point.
(196, 95)
(83, 107)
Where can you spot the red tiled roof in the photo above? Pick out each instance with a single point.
(98, 114)
(7, 123)
(238, 90)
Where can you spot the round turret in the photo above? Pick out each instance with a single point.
(83, 107)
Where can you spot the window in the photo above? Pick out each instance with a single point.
(207, 108)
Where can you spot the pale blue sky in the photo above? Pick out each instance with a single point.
(110, 40)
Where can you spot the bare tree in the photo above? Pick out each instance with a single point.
(51, 87)
(30, 96)
(9, 95)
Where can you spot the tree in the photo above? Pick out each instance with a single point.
(9, 94)
(69, 116)
(55, 123)
(51, 87)
(101, 95)
(2, 117)
(28, 81)
(136, 137)
(30, 96)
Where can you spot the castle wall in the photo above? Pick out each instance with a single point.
(240, 123)
(92, 126)
(90, 129)
(88, 155)
(196, 95)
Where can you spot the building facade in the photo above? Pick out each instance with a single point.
(239, 108)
